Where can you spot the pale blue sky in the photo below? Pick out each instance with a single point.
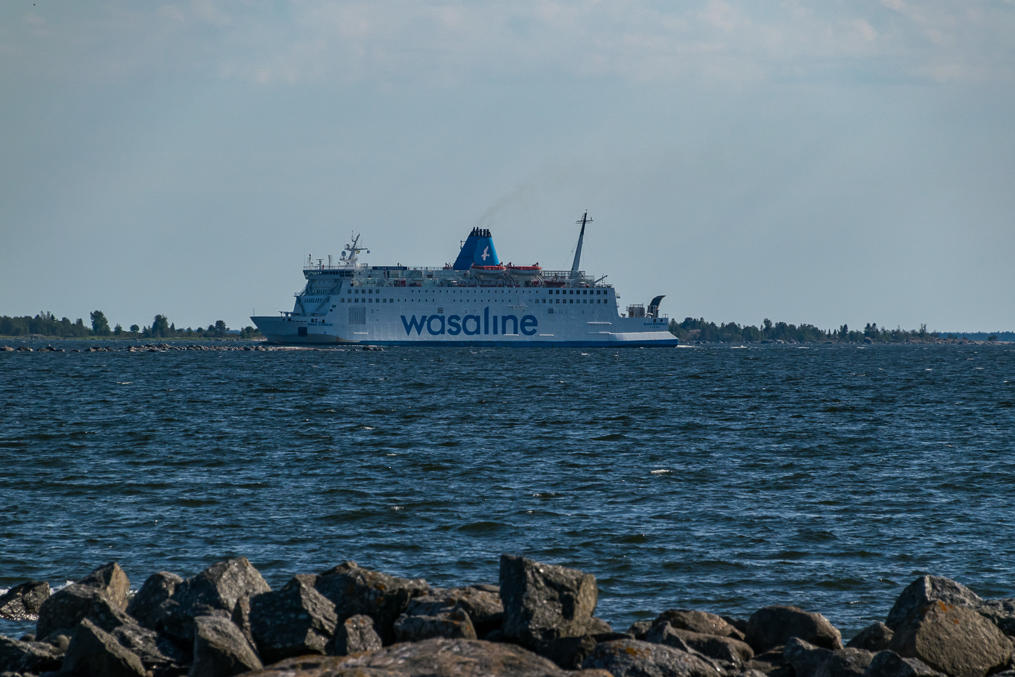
(821, 162)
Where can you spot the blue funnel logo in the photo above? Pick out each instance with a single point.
(477, 250)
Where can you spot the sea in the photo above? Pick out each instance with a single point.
(722, 478)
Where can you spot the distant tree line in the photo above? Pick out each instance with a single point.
(46, 324)
(698, 330)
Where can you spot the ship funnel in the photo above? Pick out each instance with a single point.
(477, 250)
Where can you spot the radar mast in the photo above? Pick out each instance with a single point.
(351, 250)
(578, 250)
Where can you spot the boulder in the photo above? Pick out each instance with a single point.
(355, 634)
(241, 619)
(100, 596)
(771, 663)
(150, 605)
(639, 629)
(221, 649)
(216, 591)
(953, 639)
(875, 637)
(890, 664)
(807, 659)
(1001, 612)
(157, 653)
(65, 608)
(774, 625)
(60, 642)
(429, 658)
(568, 653)
(292, 621)
(32, 657)
(699, 621)
(355, 590)
(481, 602)
(924, 590)
(93, 651)
(545, 602)
(447, 622)
(111, 581)
(722, 648)
(22, 602)
(634, 658)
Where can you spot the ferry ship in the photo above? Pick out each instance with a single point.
(478, 300)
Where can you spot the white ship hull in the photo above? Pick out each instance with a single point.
(461, 305)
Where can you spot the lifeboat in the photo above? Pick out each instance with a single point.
(489, 272)
(524, 273)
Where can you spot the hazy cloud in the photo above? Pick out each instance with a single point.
(444, 41)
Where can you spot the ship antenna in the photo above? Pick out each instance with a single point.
(354, 249)
(578, 250)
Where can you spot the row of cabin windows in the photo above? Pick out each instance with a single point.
(371, 300)
(485, 290)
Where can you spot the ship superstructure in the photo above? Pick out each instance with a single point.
(476, 300)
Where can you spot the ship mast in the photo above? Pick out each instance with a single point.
(351, 250)
(578, 250)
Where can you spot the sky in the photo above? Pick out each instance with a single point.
(809, 162)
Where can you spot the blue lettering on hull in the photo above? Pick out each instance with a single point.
(470, 325)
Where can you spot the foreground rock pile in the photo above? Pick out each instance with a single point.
(539, 620)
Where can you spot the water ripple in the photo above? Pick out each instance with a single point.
(711, 478)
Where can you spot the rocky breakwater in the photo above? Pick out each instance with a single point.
(538, 620)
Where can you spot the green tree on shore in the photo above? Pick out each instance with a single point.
(159, 328)
(100, 325)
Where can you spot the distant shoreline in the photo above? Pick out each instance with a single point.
(40, 343)
(690, 331)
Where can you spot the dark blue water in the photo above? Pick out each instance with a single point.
(715, 478)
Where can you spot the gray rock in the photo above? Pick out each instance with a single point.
(157, 653)
(699, 621)
(429, 658)
(59, 641)
(65, 608)
(149, 605)
(807, 659)
(875, 637)
(32, 657)
(355, 634)
(221, 649)
(953, 639)
(22, 602)
(241, 619)
(771, 663)
(355, 590)
(639, 629)
(545, 602)
(890, 664)
(93, 651)
(1001, 612)
(722, 648)
(216, 591)
(447, 622)
(481, 602)
(847, 662)
(111, 580)
(924, 590)
(634, 658)
(774, 625)
(100, 596)
(568, 653)
(293, 621)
